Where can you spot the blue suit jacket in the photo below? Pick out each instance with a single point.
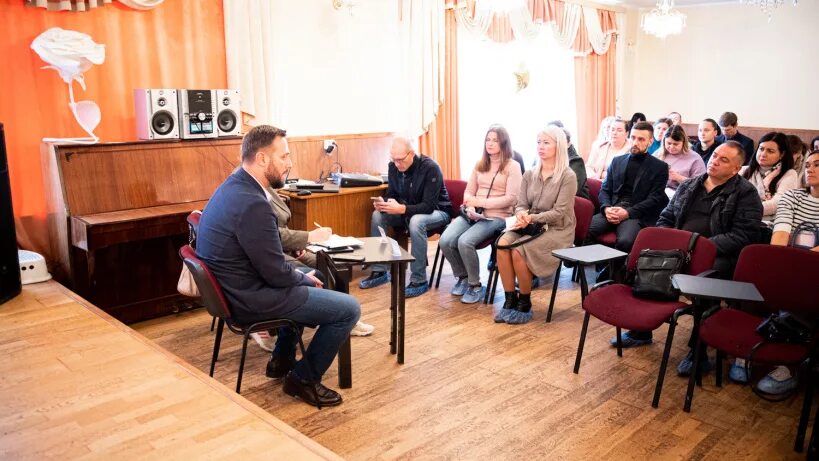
(648, 194)
(239, 241)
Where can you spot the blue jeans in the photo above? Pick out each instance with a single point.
(335, 314)
(459, 241)
(418, 226)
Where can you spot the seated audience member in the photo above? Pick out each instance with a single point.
(633, 194)
(814, 144)
(728, 123)
(799, 205)
(417, 200)
(239, 241)
(601, 155)
(798, 150)
(576, 163)
(604, 133)
(489, 198)
(707, 133)
(637, 117)
(682, 162)
(720, 205)
(675, 118)
(795, 208)
(546, 199)
(660, 127)
(771, 172)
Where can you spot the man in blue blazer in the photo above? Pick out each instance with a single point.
(239, 241)
(633, 193)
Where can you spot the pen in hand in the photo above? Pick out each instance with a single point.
(317, 224)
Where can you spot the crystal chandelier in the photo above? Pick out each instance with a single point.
(767, 6)
(663, 20)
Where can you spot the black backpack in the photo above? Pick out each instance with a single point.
(655, 268)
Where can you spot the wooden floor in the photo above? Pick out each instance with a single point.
(473, 389)
(77, 384)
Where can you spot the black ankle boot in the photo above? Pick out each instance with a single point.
(511, 300)
(524, 303)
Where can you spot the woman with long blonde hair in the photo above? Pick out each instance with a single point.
(544, 221)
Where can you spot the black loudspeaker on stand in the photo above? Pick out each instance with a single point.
(9, 264)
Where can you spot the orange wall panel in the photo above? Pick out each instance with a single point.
(180, 44)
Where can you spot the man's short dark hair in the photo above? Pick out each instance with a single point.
(258, 138)
(713, 124)
(665, 120)
(736, 145)
(643, 126)
(728, 119)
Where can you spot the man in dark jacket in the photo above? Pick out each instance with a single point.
(239, 241)
(633, 193)
(728, 123)
(722, 206)
(416, 200)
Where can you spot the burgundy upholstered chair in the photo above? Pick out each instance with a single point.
(786, 278)
(583, 212)
(614, 303)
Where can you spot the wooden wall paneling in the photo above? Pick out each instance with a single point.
(755, 132)
(357, 153)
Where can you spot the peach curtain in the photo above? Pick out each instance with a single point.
(441, 139)
(595, 74)
(595, 84)
(171, 46)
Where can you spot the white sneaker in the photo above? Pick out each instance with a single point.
(263, 340)
(362, 329)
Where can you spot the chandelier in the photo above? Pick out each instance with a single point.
(663, 20)
(767, 6)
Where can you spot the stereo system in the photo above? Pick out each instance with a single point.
(10, 285)
(187, 114)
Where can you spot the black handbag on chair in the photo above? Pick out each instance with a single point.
(655, 269)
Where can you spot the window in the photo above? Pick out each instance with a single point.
(488, 92)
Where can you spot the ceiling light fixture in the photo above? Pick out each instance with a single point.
(663, 20)
(767, 6)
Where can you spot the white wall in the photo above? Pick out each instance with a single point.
(339, 73)
(728, 58)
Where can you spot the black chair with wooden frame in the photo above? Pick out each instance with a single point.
(214, 300)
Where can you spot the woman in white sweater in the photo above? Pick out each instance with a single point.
(771, 171)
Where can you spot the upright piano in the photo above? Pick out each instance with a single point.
(116, 217)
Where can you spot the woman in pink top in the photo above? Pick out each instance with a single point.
(683, 163)
(490, 198)
(601, 154)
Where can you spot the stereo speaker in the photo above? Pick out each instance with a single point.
(197, 113)
(228, 113)
(156, 113)
(9, 263)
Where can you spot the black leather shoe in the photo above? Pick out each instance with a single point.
(315, 394)
(278, 367)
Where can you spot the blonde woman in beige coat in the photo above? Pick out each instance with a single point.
(546, 200)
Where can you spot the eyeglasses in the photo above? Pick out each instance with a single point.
(402, 159)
